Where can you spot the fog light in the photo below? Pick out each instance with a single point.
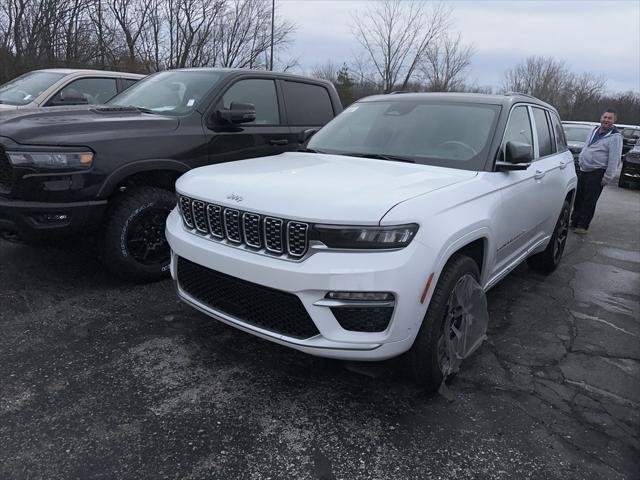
(368, 296)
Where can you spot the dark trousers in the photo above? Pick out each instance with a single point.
(589, 190)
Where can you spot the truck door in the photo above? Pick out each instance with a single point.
(266, 135)
(308, 106)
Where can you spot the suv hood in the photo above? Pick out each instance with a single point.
(318, 188)
(76, 125)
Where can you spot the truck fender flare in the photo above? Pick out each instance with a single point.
(129, 169)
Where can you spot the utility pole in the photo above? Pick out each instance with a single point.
(273, 8)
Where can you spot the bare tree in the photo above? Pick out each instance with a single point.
(542, 77)
(326, 71)
(395, 36)
(446, 63)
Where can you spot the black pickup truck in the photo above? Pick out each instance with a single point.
(110, 169)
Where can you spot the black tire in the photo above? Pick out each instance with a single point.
(134, 243)
(621, 182)
(424, 358)
(549, 259)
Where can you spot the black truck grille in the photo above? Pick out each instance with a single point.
(265, 307)
(6, 173)
(258, 232)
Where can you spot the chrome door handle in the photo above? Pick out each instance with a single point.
(282, 141)
(563, 164)
(539, 174)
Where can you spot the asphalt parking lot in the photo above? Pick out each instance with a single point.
(104, 380)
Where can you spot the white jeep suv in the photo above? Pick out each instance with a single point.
(356, 246)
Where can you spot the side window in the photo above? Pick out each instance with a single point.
(544, 135)
(518, 129)
(561, 141)
(127, 82)
(307, 105)
(261, 93)
(85, 90)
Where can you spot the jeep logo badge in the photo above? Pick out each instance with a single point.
(234, 197)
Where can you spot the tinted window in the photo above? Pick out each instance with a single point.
(455, 135)
(308, 105)
(544, 135)
(127, 82)
(561, 141)
(27, 87)
(175, 92)
(518, 129)
(577, 133)
(261, 93)
(86, 90)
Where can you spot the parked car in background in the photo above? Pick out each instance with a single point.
(576, 134)
(630, 171)
(381, 236)
(111, 168)
(630, 136)
(63, 86)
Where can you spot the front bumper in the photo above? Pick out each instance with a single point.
(402, 273)
(39, 221)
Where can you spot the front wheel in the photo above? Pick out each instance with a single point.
(549, 259)
(134, 241)
(429, 358)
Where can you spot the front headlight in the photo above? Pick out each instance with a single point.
(336, 236)
(67, 160)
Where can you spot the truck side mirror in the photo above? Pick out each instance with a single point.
(307, 134)
(237, 113)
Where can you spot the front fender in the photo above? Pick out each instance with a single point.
(118, 175)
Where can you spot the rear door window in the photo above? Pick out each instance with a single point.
(545, 145)
(561, 141)
(307, 104)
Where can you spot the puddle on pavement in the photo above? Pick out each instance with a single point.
(612, 288)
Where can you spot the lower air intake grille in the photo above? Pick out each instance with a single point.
(363, 319)
(264, 307)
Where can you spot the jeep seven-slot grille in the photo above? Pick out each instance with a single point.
(264, 307)
(257, 232)
(6, 173)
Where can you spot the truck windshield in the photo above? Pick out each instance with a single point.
(449, 134)
(175, 92)
(27, 87)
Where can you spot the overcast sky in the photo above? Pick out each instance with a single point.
(602, 37)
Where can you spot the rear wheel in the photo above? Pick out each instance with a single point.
(134, 241)
(549, 259)
(428, 357)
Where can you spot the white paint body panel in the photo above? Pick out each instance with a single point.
(452, 207)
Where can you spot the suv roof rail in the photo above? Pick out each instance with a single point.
(396, 92)
(520, 93)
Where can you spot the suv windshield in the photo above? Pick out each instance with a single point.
(174, 92)
(450, 134)
(27, 87)
(577, 134)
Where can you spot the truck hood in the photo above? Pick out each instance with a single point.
(77, 125)
(316, 188)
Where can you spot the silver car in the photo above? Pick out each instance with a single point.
(63, 86)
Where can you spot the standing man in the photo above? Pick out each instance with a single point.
(598, 161)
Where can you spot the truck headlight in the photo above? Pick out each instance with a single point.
(67, 160)
(337, 236)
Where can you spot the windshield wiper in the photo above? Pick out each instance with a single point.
(378, 156)
(141, 109)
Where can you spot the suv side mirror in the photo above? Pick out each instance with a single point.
(238, 113)
(307, 134)
(517, 156)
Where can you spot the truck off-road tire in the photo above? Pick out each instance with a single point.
(549, 259)
(134, 245)
(427, 357)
